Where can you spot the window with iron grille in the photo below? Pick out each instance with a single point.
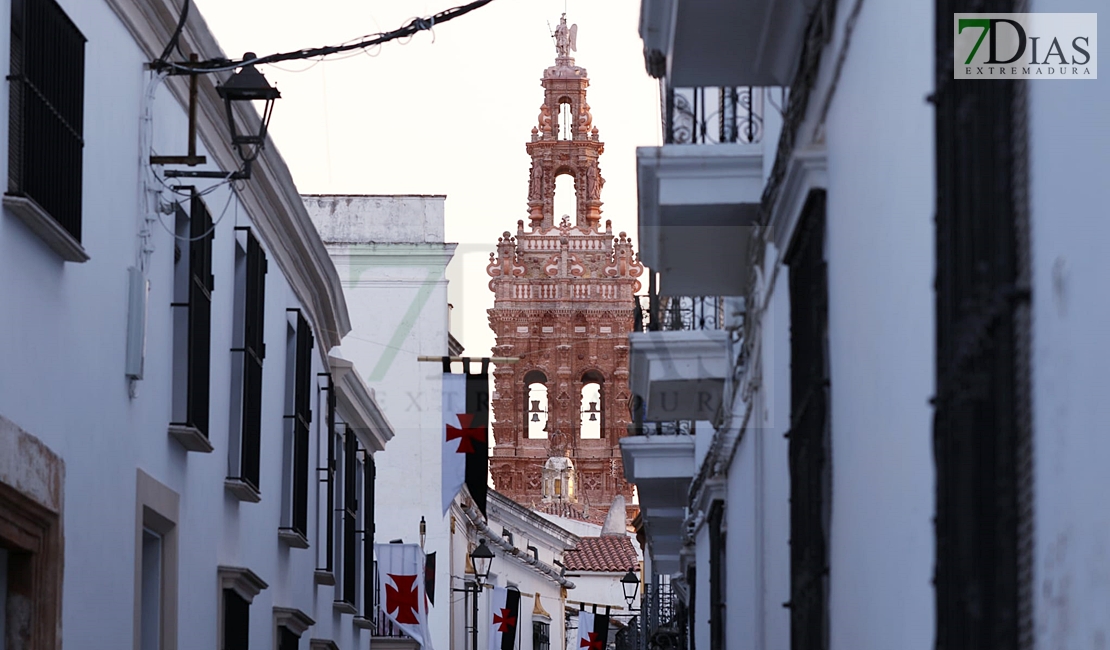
(237, 612)
(192, 314)
(541, 635)
(981, 425)
(717, 575)
(809, 430)
(287, 639)
(298, 400)
(350, 519)
(369, 476)
(326, 472)
(46, 111)
(246, 361)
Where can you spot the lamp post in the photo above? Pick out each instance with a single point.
(481, 558)
(630, 583)
(245, 86)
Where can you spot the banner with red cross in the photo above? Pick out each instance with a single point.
(401, 589)
(465, 434)
(593, 631)
(505, 619)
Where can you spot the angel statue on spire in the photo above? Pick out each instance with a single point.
(565, 38)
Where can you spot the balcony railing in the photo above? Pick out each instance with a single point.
(678, 313)
(713, 115)
(663, 618)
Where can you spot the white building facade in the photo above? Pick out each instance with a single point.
(168, 394)
(884, 436)
(391, 257)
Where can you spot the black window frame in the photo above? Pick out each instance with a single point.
(298, 418)
(809, 435)
(251, 351)
(46, 111)
(717, 573)
(193, 401)
(541, 635)
(287, 639)
(369, 580)
(236, 621)
(982, 426)
(349, 510)
(326, 475)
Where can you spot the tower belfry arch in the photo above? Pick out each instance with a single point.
(564, 287)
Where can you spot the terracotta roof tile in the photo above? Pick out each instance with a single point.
(608, 553)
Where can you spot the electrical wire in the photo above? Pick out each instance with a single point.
(406, 31)
(173, 44)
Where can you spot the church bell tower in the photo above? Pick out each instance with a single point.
(563, 303)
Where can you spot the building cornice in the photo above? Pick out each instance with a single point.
(544, 569)
(270, 197)
(359, 406)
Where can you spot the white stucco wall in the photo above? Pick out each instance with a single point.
(397, 296)
(880, 254)
(1069, 157)
(62, 379)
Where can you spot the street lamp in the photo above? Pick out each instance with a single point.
(631, 584)
(482, 558)
(248, 85)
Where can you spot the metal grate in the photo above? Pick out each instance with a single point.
(541, 635)
(981, 424)
(301, 417)
(713, 115)
(370, 476)
(678, 313)
(201, 284)
(329, 480)
(809, 431)
(350, 521)
(254, 352)
(46, 110)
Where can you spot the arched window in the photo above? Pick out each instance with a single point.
(566, 120)
(535, 406)
(592, 417)
(566, 198)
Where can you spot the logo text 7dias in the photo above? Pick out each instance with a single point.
(1025, 46)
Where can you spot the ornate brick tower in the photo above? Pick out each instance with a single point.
(564, 305)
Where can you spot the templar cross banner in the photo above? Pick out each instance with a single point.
(465, 434)
(593, 631)
(504, 619)
(401, 589)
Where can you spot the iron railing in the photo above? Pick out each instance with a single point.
(383, 625)
(678, 313)
(663, 620)
(713, 115)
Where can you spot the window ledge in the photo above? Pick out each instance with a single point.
(325, 578)
(46, 227)
(292, 538)
(363, 623)
(344, 607)
(242, 490)
(191, 438)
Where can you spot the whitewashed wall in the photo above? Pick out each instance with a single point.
(390, 255)
(62, 378)
(1069, 158)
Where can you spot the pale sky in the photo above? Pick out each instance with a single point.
(446, 113)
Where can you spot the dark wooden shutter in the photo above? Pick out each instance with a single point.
(328, 469)
(302, 417)
(981, 426)
(237, 612)
(809, 430)
(369, 476)
(254, 354)
(201, 284)
(716, 577)
(46, 110)
(350, 514)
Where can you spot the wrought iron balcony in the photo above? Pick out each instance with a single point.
(655, 313)
(664, 620)
(713, 115)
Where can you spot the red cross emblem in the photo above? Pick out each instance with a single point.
(403, 599)
(467, 435)
(593, 643)
(505, 620)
